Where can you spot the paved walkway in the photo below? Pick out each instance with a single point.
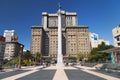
(88, 70)
(60, 72)
(32, 70)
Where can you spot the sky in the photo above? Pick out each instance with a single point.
(101, 16)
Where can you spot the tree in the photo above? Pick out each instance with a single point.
(11, 63)
(72, 59)
(80, 56)
(96, 56)
(27, 56)
(38, 57)
(27, 59)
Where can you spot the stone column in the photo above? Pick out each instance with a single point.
(59, 55)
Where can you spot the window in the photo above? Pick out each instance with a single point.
(72, 50)
(118, 44)
(118, 38)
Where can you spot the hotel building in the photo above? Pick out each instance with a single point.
(75, 38)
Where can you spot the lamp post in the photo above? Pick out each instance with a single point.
(35, 58)
(19, 57)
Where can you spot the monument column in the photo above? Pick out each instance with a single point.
(59, 55)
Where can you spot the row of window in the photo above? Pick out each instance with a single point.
(77, 30)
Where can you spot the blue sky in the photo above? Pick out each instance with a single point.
(100, 15)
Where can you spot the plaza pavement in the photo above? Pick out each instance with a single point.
(60, 73)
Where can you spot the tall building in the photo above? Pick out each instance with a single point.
(2, 47)
(116, 36)
(10, 36)
(95, 40)
(12, 47)
(75, 38)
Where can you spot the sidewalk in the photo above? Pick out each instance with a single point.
(60, 71)
(14, 69)
(88, 70)
(32, 70)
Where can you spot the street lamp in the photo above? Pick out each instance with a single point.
(19, 57)
(35, 58)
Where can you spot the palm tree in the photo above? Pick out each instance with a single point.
(37, 57)
(27, 59)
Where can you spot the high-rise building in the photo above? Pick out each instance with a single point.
(75, 38)
(116, 36)
(2, 47)
(95, 40)
(12, 47)
(10, 36)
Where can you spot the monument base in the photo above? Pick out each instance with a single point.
(60, 64)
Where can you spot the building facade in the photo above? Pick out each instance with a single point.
(12, 49)
(103, 40)
(95, 40)
(116, 36)
(2, 48)
(10, 36)
(75, 39)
